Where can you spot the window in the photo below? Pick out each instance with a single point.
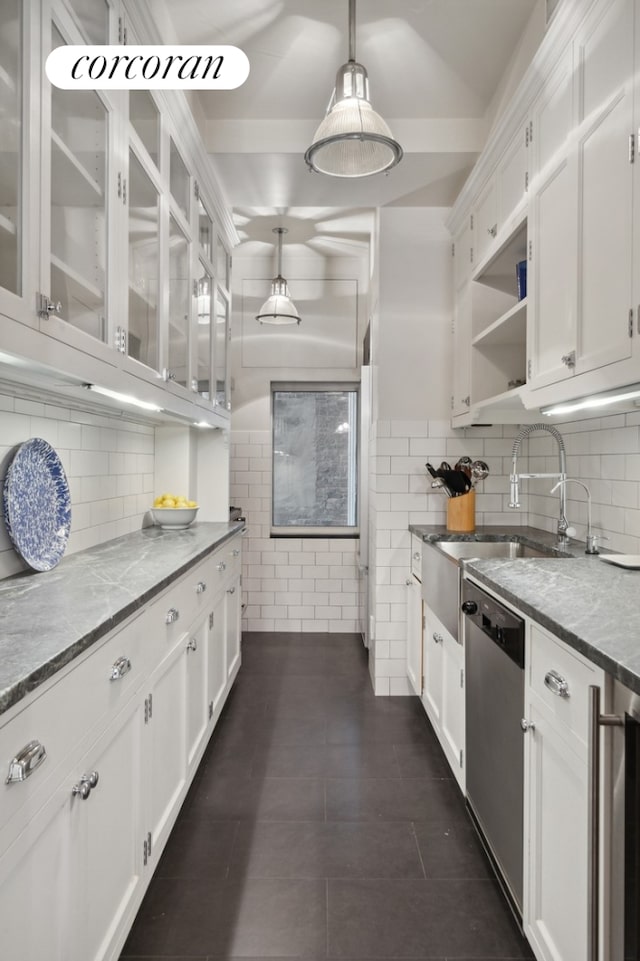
(315, 461)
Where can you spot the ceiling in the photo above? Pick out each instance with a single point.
(434, 68)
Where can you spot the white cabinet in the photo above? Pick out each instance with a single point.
(124, 731)
(553, 222)
(443, 692)
(556, 797)
(98, 186)
(414, 634)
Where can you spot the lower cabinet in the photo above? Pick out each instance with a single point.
(75, 869)
(556, 791)
(443, 692)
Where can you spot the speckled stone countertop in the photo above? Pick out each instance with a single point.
(591, 605)
(47, 619)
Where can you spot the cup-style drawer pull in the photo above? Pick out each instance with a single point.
(26, 761)
(120, 667)
(438, 638)
(172, 615)
(192, 645)
(556, 683)
(221, 566)
(201, 587)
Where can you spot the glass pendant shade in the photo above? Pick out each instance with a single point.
(352, 140)
(278, 308)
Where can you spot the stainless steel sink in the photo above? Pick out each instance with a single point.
(463, 550)
(442, 572)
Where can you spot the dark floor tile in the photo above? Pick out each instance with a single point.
(227, 756)
(268, 799)
(393, 799)
(317, 850)
(420, 919)
(377, 726)
(451, 849)
(361, 760)
(198, 849)
(290, 760)
(422, 760)
(253, 918)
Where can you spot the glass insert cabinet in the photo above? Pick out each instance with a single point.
(97, 188)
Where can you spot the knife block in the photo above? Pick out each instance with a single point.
(461, 512)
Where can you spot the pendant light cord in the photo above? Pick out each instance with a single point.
(280, 233)
(352, 31)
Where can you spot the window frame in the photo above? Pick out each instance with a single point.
(350, 531)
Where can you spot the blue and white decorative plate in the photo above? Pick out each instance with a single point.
(37, 504)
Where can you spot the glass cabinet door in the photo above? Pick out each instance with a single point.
(144, 261)
(11, 152)
(221, 339)
(204, 316)
(144, 117)
(78, 208)
(93, 19)
(179, 180)
(179, 305)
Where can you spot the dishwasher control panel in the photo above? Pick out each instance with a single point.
(504, 627)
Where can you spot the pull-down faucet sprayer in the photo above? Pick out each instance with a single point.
(514, 500)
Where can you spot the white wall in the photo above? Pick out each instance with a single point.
(109, 464)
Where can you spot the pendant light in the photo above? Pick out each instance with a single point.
(278, 308)
(352, 140)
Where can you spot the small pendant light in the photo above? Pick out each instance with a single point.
(278, 308)
(352, 140)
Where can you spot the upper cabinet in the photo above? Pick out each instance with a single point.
(562, 200)
(98, 186)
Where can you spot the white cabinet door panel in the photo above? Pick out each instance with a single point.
(414, 635)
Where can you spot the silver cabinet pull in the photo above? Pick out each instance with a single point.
(596, 720)
(26, 761)
(231, 590)
(119, 668)
(85, 785)
(201, 587)
(172, 615)
(192, 645)
(527, 725)
(556, 683)
(438, 638)
(221, 566)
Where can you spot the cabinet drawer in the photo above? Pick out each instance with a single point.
(416, 556)
(60, 718)
(561, 678)
(227, 562)
(171, 614)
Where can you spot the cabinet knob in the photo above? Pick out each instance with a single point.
(26, 761)
(569, 360)
(231, 590)
(556, 683)
(192, 645)
(201, 587)
(172, 615)
(417, 556)
(467, 400)
(527, 725)
(120, 667)
(235, 552)
(85, 785)
(438, 638)
(221, 566)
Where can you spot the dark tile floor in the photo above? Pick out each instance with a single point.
(323, 823)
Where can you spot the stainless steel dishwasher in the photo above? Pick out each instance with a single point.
(494, 681)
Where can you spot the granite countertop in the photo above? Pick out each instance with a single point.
(50, 618)
(592, 606)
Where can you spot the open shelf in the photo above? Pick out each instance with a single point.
(508, 330)
(499, 269)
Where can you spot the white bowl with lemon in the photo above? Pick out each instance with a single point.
(173, 512)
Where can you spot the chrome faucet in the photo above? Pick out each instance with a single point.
(591, 538)
(514, 501)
